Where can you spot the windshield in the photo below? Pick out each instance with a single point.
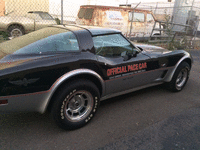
(112, 45)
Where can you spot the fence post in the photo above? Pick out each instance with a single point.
(132, 20)
(61, 22)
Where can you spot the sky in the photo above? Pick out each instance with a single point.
(75, 4)
(111, 1)
(133, 1)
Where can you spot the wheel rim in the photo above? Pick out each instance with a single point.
(78, 106)
(16, 33)
(181, 79)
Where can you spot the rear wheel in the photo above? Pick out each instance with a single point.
(76, 104)
(180, 77)
(15, 31)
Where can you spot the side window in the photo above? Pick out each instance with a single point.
(150, 18)
(137, 17)
(37, 17)
(111, 45)
(45, 16)
(85, 13)
(62, 42)
(88, 13)
(81, 13)
(34, 16)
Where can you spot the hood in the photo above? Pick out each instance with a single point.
(152, 50)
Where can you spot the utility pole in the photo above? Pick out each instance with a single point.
(61, 22)
(132, 20)
(126, 3)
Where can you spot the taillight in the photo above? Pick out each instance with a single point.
(3, 102)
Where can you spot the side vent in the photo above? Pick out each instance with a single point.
(164, 73)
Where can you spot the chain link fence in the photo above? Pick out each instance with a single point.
(36, 14)
(184, 20)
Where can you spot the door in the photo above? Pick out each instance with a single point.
(123, 65)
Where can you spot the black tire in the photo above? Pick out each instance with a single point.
(15, 31)
(180, 78)
(76, 104)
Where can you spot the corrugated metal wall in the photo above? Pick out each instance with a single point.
(2, 7)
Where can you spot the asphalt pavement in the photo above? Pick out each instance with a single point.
(149, 119)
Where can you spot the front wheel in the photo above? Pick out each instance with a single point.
(76, 104)
(180, 78)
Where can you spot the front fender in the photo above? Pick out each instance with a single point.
(187, 56)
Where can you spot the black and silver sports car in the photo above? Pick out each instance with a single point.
(68, 69)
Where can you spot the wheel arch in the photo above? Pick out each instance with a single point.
(15, 24)
(72, 76)
(187, 58)
(189, 61)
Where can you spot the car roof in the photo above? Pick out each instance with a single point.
(37, 12)
(114, 8)
(13, 45)
(94, 30)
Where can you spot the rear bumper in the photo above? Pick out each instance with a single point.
(34, 102)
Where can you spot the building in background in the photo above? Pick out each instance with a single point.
(2, 7)
(179, 11)
(162, 7)
(21, 7)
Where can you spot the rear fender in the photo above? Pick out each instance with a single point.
(66, 77)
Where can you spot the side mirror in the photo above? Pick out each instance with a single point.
(139, 48)
(135, 53)
(126, 55)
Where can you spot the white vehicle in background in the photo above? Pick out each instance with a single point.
(20, 25)
(118, 18)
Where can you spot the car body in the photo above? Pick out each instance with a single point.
(19, 25)
(69, 69)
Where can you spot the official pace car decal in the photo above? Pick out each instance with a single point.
(126, 70)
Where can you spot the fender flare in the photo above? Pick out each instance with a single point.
(14, 23)
(64, 78)
(170, 76)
